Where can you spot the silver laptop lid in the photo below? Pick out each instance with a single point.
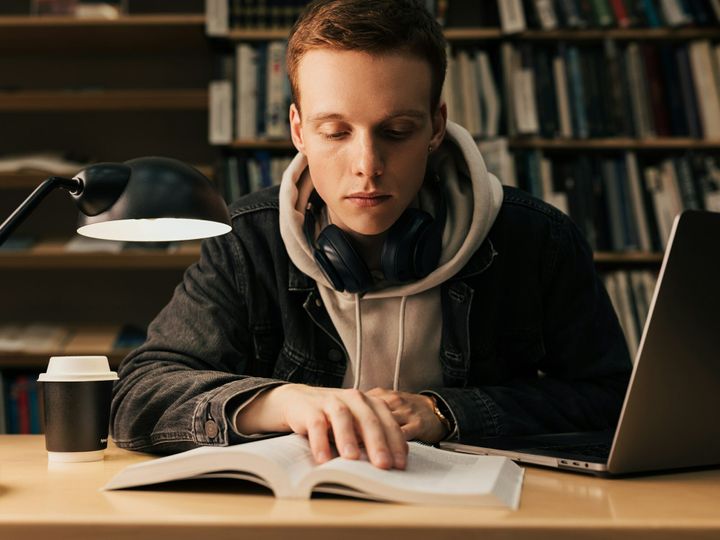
(670, 419)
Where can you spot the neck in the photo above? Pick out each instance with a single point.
(369, 248)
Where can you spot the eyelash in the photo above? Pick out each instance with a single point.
(395, 135)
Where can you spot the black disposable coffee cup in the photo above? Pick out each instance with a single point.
(77, 391)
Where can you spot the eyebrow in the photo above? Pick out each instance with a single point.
(320, 117)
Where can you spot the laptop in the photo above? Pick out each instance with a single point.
(669, 416)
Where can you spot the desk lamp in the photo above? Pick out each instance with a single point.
(150, 199)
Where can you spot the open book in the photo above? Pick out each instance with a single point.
(285, 465)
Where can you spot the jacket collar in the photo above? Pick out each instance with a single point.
(478, 263)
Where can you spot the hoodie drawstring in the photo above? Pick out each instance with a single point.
(358, 342)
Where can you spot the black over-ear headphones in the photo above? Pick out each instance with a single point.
(411, 249)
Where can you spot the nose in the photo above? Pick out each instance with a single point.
(368, 161)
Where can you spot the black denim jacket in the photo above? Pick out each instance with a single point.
(530, 341)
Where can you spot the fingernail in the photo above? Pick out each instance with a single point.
(399, 461)
(350, 451)
(383, 458)
(322, 456)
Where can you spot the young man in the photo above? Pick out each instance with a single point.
(391, 289)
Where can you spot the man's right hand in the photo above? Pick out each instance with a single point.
(353, 418)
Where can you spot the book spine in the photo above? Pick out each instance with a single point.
(603, 14)
(276, 125)
(217, 17)
(656, 92)
(637, 202)
(512, 16)
(261, 65)
(490, 95)
(706, 88)
(545, 93)
(570, 13)
(651, 14)
(524, 84)
(621, 13)
(220, 95)
(687, 86)
(577, 93)
(246, 103)
(469, 94)
(688, 193)
(670, 78)
(546, 14)
(673, 12)
(563, 101)
(508, 55)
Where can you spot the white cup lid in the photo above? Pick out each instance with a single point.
(78, 369)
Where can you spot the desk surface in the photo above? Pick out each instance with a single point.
(58, 501)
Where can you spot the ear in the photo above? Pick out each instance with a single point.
(296, 129)
(439, 122)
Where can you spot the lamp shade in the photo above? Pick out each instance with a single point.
(152, 199)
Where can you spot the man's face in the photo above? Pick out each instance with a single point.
(365, 129)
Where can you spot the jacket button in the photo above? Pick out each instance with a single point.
(318, 302)
(211, 429)
(334, 355)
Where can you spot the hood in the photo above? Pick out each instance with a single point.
(473, 198)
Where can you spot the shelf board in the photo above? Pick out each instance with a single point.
(262, 144)
(31, 180)
(104, 100)
(612, 143)
(39, 258)
(175, 19)
(39, 361)
(471, 34)
(630, 257)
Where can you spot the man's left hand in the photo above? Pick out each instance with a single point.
(414, 413)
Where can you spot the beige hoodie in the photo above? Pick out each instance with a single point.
(392, 334)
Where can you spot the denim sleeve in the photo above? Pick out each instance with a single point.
(176, 390)
(584, 372)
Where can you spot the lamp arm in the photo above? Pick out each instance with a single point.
(74, 186)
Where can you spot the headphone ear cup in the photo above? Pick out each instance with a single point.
(341, 264)
(402, 245)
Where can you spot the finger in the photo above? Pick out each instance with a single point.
(317, 433)
(371, 428)
(343, 429)
(393, 433)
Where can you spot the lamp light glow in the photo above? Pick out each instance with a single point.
(154, 230)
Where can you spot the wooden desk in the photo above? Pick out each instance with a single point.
(58, 502)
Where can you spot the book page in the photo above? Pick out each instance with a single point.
(432, 476)
(279, 463)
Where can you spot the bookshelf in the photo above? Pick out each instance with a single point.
(94, 90)
(627, 156)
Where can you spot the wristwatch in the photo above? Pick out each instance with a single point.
(443, 413)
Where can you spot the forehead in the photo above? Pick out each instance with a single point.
(344, 81)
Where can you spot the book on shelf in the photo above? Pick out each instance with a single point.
(511, 16)
(220, 124)
(20, 403)
(286, 466)
(621, 201)
(47, 163)
(631, 293)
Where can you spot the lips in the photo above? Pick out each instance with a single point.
(367, 199)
